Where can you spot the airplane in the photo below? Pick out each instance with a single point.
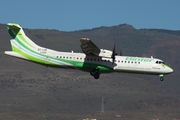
(92, 60)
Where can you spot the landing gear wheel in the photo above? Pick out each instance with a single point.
(96, 76)
(161, 78)
(92, 72)
(95, 73)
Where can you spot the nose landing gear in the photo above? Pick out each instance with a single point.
(161, 77)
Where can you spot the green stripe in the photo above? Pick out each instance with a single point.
(11, 33)
(27, 48)
(32, 58)
(81, 65)
(88, 66)
(22, 38)
(17, 32)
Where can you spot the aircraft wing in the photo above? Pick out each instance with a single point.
(88, 47)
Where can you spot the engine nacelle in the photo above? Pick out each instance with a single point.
(105, 53)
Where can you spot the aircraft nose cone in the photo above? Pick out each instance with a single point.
(170, 70)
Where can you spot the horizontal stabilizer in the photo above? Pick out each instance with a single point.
(15, 54)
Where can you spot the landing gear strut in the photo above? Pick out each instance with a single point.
(95, 73)
(161, 77)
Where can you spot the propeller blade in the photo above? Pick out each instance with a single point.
(113, 54)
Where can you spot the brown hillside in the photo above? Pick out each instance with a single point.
(31, 91)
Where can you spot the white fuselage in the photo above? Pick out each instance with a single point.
(122, 63)
(93, 59)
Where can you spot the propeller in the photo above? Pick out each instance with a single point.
(113, 54)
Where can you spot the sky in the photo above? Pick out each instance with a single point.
(71, 15)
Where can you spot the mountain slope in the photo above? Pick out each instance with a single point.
(31, 91)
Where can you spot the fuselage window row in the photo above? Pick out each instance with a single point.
(91, 59)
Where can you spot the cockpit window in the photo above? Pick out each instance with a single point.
(160, 62)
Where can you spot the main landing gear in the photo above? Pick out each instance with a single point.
(95, 73)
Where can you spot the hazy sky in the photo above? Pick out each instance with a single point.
(69, 15)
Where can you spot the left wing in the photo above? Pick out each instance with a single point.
(89, 48)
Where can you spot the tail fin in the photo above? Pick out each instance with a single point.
(19, 36)
(22, 46)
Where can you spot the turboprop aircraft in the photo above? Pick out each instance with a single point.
(93, 60)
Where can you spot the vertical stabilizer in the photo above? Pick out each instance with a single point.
(22, 46)
(19, 36)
